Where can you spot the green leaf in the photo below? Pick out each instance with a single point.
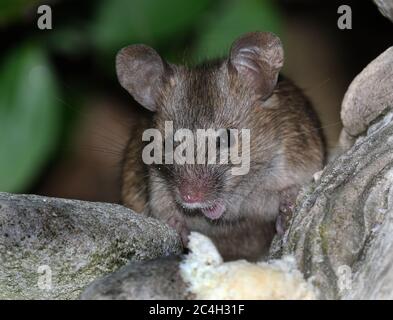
(11, 9)
(231, 19)
(29, 117)
(121, 22)
(69, 39)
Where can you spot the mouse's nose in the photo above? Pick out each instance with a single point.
(191, 194)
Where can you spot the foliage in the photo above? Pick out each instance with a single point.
(12, 9)
(29, 116)
(30, 109)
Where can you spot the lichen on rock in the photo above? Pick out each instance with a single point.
(339, 233)
(72, 243)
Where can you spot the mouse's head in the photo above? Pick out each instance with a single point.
(220, 96)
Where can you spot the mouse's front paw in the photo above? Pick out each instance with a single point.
(284, 215)
(286, 208)
(179, 225)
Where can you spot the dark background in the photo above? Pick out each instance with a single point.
(64, 119)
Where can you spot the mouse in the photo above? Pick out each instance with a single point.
(283, 145)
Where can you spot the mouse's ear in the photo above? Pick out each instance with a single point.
(257, 58)
(141, 71)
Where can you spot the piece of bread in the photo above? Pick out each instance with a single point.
(208, 277)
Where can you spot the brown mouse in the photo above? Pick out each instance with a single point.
(243, 91)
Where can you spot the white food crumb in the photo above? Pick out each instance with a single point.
(208, 277)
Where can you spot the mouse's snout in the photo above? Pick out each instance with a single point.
(197, 188)
(192, 193)
(201, 193)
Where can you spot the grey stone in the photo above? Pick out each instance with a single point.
(369, 94)
(155, 279)
(386, 8)
(341, 233)
(335, 226)
(79, 241)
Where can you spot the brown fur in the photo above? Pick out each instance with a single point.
(287, 147)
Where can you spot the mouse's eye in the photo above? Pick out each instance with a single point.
(225, 139)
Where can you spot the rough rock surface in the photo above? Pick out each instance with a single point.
(155, 279)
(341, 232)
(79, 241)
(369, 94)
(386, 8)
